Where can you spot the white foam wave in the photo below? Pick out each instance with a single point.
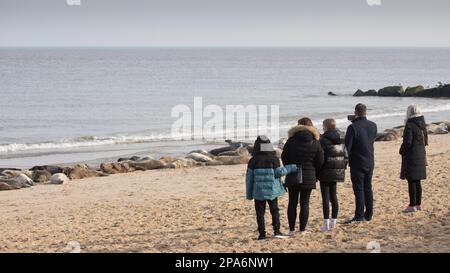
(77, 143)
(394, 114)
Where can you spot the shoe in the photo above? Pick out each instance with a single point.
(262, 237)
(409, 209)
(353, 221)
(291, 233)
(324, 229)
(279, 235)
(326, 225)
(418, 208)
(304, 232)
(333, 223)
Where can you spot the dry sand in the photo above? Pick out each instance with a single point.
(204, 210)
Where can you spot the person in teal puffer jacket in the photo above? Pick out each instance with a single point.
(263, 183)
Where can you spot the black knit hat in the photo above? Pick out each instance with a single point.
(262, 144)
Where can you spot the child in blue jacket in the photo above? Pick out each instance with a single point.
(264, 185)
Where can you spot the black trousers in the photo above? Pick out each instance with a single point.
(362, 188)
(329, 195)
(260, 207)
(415, 192)
(304, 207)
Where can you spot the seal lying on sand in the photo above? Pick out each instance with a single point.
(114, 167)
(167, 159)
(81, 171)
(24, 180)
(232, 147)
(14, 173)
(18, 182)
(145, 165)
(201, 151)
(229, 160)
(51, 169)
(199, 157)
(183, 163)
(41, 176)
(7, 187)
(133, 158)
(239, 152)
(59, 178)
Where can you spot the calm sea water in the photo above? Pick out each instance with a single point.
(60, 105)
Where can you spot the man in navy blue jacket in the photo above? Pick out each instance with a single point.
(359, 140)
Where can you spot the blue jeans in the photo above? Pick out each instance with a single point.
(362, 188)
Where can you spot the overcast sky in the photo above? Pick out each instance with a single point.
(225, 23)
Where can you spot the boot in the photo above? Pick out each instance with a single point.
(333, 223)
(326, 225)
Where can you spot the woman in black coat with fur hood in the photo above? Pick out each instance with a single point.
(414, 162)
(303, 149)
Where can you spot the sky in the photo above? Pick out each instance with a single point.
(223, 23)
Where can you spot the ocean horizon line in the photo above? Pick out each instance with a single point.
(230, 47)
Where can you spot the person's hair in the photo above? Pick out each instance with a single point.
(361, 110)
(305, 121)
(413, 111)
(329, 123)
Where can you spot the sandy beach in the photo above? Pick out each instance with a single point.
(204, 209)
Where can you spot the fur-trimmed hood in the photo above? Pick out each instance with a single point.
(299, 128)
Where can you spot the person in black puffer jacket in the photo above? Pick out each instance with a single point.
(332, 171)
(302, 148)
(415, 138)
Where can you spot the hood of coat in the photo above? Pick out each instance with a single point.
(335, 136)
(302, 131)
(419, 121)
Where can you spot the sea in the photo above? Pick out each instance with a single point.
(66, 105)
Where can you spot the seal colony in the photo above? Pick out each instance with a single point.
(234, 153)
